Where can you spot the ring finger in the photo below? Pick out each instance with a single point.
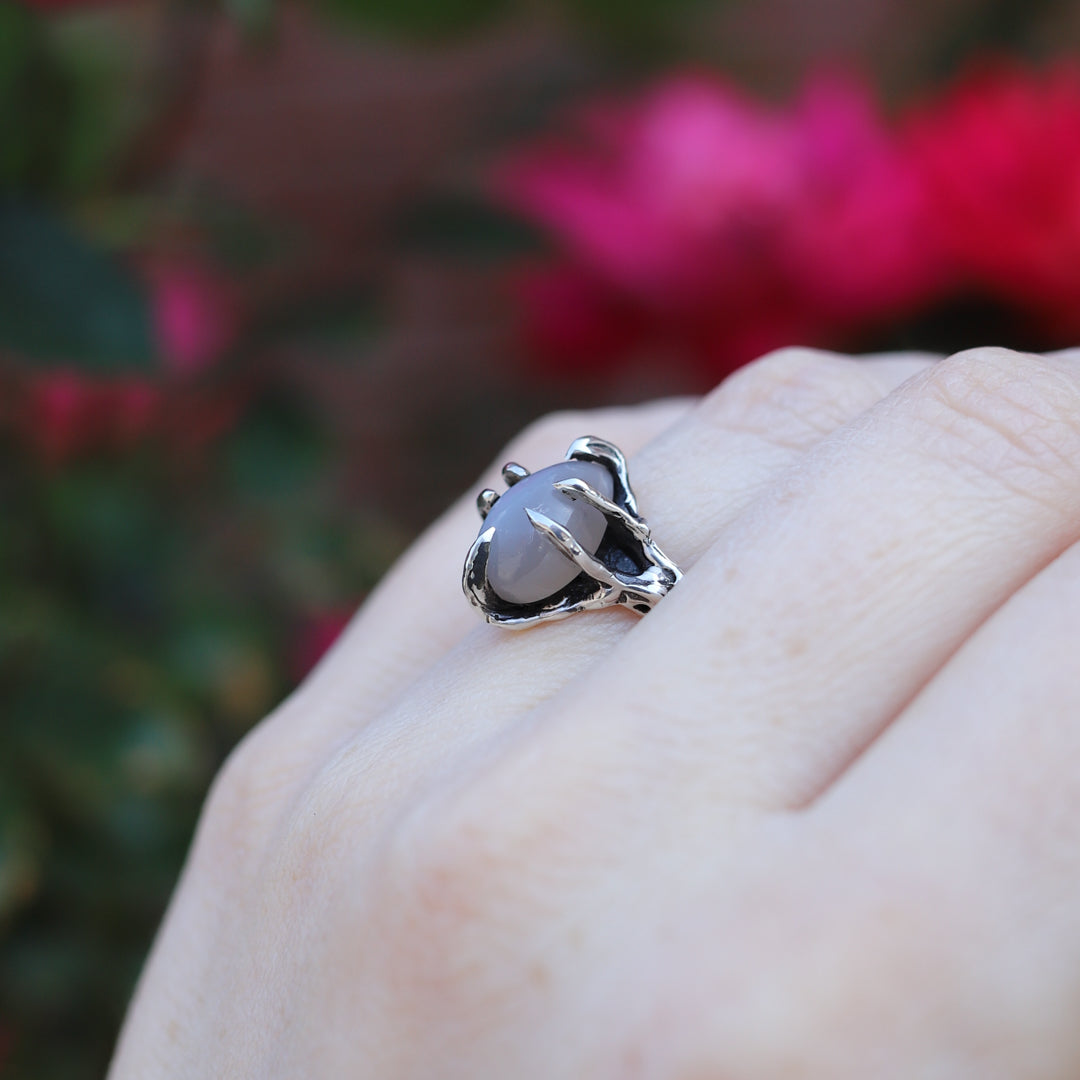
(691, 482)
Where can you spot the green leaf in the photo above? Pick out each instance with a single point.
(100, 56)
(16, 41)
(64, 302)
(31, 100)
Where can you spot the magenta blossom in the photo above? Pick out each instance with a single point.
(863, 241)
(1001, 151)
(706, 223)
(195, 316)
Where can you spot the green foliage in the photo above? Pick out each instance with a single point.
(64, 301)
(70, 99)
(104, 106)
(68, 107)
(31, 97)
(149, 612)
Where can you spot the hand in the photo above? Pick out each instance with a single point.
(816, 816)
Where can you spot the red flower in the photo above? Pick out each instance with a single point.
(1001, 152)
(66, 413)
(697, 219)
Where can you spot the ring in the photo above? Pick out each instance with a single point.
(568, 538)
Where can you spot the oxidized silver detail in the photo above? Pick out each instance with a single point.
(628, 569)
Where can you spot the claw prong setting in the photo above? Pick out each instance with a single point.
(513, 473)
(627, 568)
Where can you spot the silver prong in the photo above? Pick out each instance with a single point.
(564, 540)
(485, 501)
(590, 448)
(573, 488)
(513, 473)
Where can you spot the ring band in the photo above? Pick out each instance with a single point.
(568, 538)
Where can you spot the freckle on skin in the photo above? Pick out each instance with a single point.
(796, 646)
(172, 1031)
(539, 975)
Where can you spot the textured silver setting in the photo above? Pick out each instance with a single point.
(628, 569)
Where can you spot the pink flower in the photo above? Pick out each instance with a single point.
(195, 316)
(1001, 153)
(697, 220)
(863, 239)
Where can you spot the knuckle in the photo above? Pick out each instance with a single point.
(247, 796)
(446, 863)
(442, 899)
(242, 800)
(792, 396)
(858, 979)
(1011, 415)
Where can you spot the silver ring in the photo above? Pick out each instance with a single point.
(565, 539)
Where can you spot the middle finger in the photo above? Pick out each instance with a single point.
(815, 619)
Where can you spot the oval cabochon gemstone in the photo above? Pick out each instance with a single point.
(523, 566)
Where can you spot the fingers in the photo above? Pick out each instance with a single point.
(691, 482)
(973, 791)
(702, 473)
(827, 606)
(984, 761)
(418, 611)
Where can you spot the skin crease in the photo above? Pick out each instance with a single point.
(813, 817)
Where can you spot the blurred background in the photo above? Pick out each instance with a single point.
(277, 279)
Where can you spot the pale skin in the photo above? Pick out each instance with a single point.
(816, 817)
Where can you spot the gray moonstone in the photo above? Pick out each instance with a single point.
(523, 566)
